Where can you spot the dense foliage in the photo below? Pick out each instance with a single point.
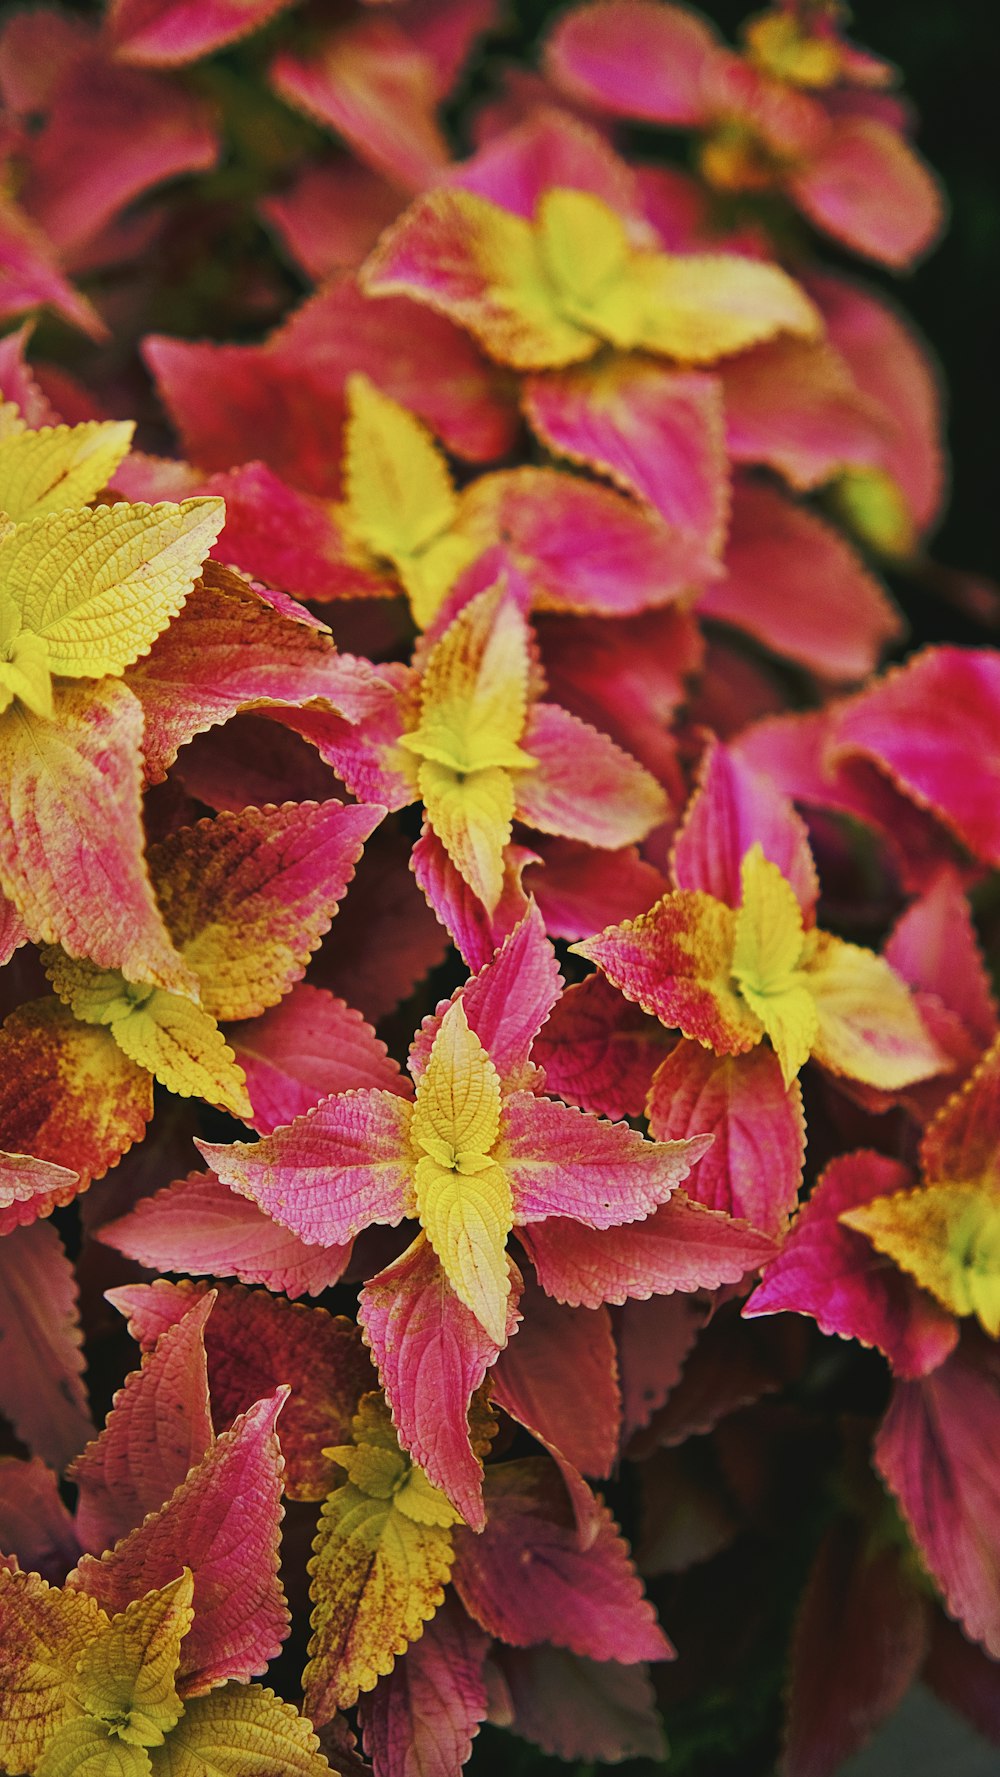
(470, 801)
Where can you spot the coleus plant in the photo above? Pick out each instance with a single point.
(591, 466)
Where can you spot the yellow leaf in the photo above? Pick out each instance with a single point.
(766, 961)
(88, 1748)
(456, 1118)
(778, 44)
(125, 1678)
(11, 422)
(42, 1633)
(472, 817)
(869, 1028)
(97, 996)
(589, 259)
(945, 1235)
(707, 307)
(378, 1573)
(467, 1217)
(181, 1044)
(241, 1730)
(25, 674)
(59, 467)
(98, 587)
(428, 578)
(399, 492)
(474, 690)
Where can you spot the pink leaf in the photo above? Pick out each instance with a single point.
(587, 1600)
(548, 148)
(732, 809)
(432, 1355)
(581, 890)
(654, 1339)
(258, 1342)
(634, 58)
(71, 837)
(794, 584)
(222, 1522)
(159, 1427)
(754, 1167)
(565, 1162)
(656, 432)
(870, 190)
(581, 1709)
(794, 405)
(506, 1003)
(599, 1051)
(198, 1225)
(41, 1381)
(305, 1048)
(165, 33)
(934, 947)
(583, 785)
(334, 1171)
(369, 82)
(683, 1246)
(30, 277)
(834, 1274)
(938, 1450)
(111, 133)
(232, 649)
(933, 726)
(422, 1719)
(476, 933)
(35, 1526)
(860, 1639)
(558, 1378)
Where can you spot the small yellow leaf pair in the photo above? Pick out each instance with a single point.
(174, 1039)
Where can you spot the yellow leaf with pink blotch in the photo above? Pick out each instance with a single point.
(947, 1236)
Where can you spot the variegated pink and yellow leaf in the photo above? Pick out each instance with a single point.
(945, 1234)
(583, 786)
(42, 1391)
(381, 1560)
(225, 1518)
(480, 266)
(240, 1728)
(432, 1355)
(963, 1141)
(566, 1162)
(308, 1046)
(936, 1450)
(476, 932)
(732, 809)
(753, 1168)
(828, 1271)
(681, 1246)
(68, 1095)
(159, 1427)
(474, 689)
(200, 1226)
(55, 468)
(43, 1631)
(231, 649)
(248, 897)
(869, 1026)
(334, 1171)
(676, 962)
(431, 1704)
(71, 836)
(587, 1600)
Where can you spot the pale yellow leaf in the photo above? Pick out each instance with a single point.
(399, 491)
(59, 467)
(125, 1678)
